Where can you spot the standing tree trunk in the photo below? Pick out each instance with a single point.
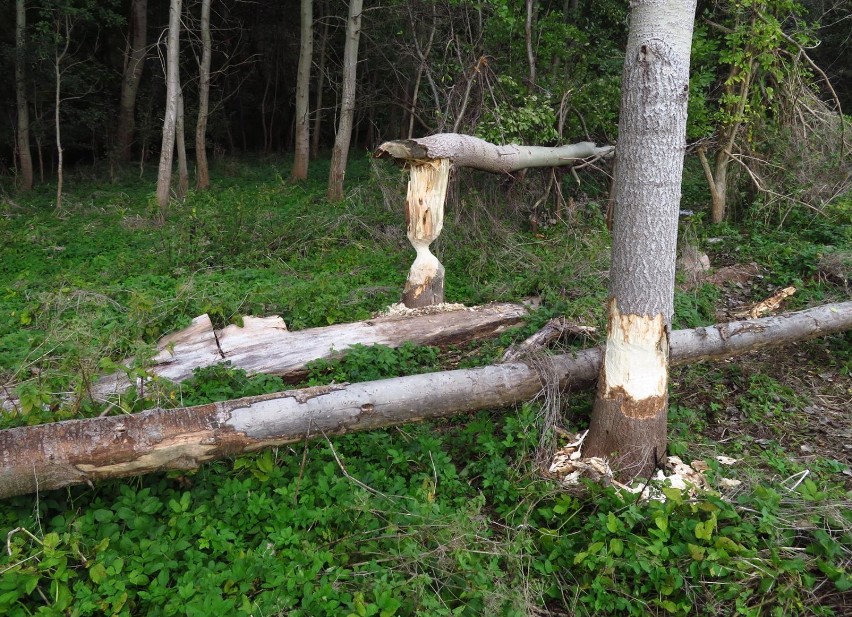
(133, 65)
(180, 146)
(631, 407)
(24, 156)
(164, 175)
(58, 57)
(315, 135)
(202, 180)
(303, 91)
(528, 38)
(340, 153)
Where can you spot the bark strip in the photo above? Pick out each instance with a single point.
(84, 451)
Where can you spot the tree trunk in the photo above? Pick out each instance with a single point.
(25, 159)
(528, 39)
(83, 451)
(468, 151)
(630, 411)
(340, 152)
(202, 178)
(133, 66)
(303, 91)
(315, 135)
(180, 146)
(164, 174)
(58, 57)
(264, 345)
(429, 160)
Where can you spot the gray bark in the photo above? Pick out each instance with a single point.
(630, 410)
(202, 179)
(84, 451)
(25, 159)
(303, 88)
(180, 147)
(164, 174)
(340, 152)
(468, 151)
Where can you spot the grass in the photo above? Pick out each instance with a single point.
(448, 518)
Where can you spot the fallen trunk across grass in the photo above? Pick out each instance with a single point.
(82, 451)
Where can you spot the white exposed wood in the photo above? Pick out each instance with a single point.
(636, 362)
(264, 345)
(80, 451)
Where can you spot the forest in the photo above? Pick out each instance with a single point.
(426, 307)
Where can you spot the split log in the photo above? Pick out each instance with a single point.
(429, 160)
(554, 330)
(264, 345)
(83, 451)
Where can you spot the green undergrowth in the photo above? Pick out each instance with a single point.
(443, 518)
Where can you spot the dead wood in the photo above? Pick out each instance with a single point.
(84, 451)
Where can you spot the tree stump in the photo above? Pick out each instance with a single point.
(424, 216)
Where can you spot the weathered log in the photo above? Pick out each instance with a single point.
(264, 345)
(83, 451)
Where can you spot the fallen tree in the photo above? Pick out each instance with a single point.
(54, 455)
(265, 345)
(429, 161)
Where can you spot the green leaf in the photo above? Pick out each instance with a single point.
(98, 573)
(616, 547)
(611, 523)
(696, 552)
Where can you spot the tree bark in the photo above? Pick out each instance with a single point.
(631, 407)
(84, 451)
(315, 135)
(303, 91)
(164, 174)
(58, 57)
(25, 159)
(264, 345)
(340, 152)
(134, 64)
(468, 151)
(180, 147)
(202, 177)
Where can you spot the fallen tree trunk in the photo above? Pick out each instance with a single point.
(469, 151)
(264, 345)
(82, 451)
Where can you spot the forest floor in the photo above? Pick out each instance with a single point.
(447, 518)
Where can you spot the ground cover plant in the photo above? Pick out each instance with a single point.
(446, 518)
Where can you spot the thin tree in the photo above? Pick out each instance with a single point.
(202, 180)
(315, 135)
(164, 175)
(340, 153)
(303, 86)
(61, 23)
(25, 159)
(134, 62)
(630, 410)
(180, 148)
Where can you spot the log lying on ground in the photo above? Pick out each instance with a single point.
(83, 451)
(264, 345)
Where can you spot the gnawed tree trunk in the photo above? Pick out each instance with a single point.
(303, 88)
(631, 406)
(25, 159)
(84, 451)
(429, 160)
(133, 64)
(340, 152)
(264, 345)
(167, 150)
